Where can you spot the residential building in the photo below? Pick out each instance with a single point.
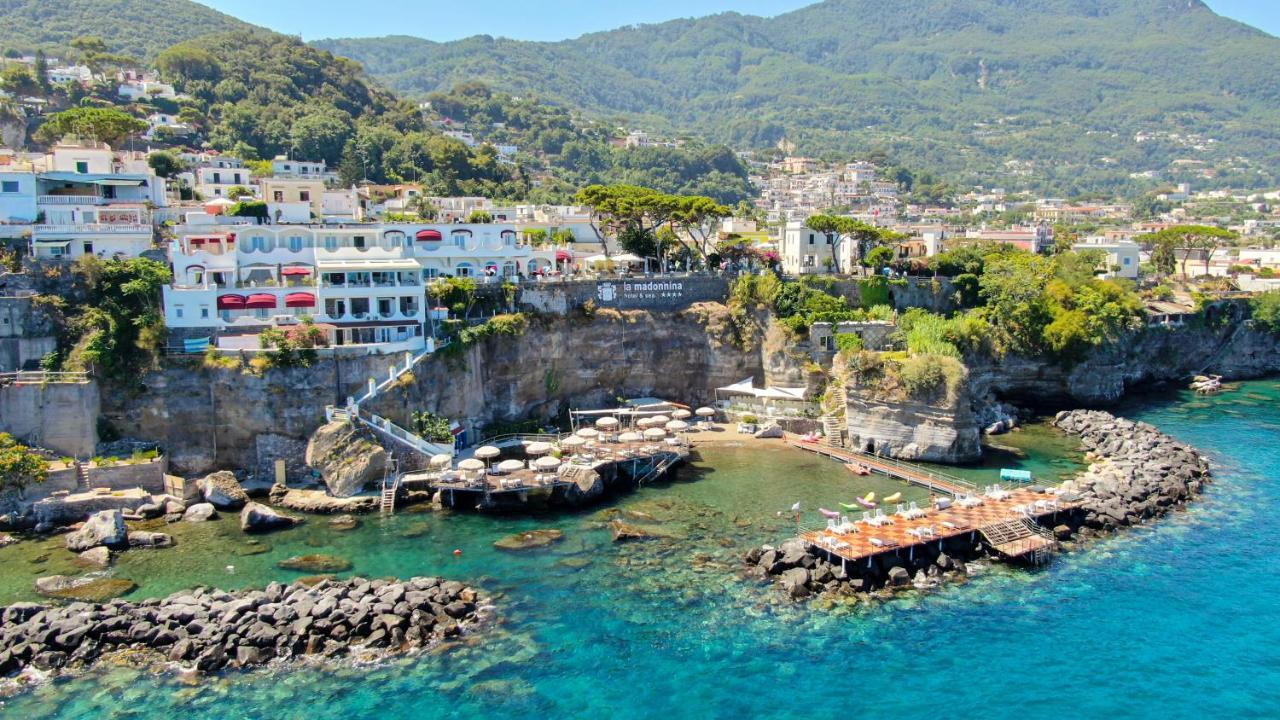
(808, 252)
(283, 167)
(72, 73)
(363, 285)
(215, 181)
(293, 200)
(1122, 257)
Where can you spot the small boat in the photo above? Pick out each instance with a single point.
(857, 468)
(829, 513)
(893, 498)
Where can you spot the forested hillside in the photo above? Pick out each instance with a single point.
(1063, 95)
(138, 29)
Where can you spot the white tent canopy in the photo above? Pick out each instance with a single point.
(747, 387)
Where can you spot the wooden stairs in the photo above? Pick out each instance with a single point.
(1020, 539)
(82, 477)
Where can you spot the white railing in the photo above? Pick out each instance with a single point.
(71, 200)
(403, 436)
(43, 376)
(95, 228)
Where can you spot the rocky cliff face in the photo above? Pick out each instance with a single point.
(584, 362)
(209, 418)
(946, 433)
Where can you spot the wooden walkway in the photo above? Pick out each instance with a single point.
(862, 540)
(914, 474)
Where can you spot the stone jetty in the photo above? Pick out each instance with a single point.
(1136, 473)
(211, 629)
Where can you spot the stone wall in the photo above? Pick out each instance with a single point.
(657, 293)
(27, 333)
(934, 294)
(60, 416)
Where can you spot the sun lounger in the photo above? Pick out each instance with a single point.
(882, 543)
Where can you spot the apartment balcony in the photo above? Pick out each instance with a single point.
(93, 229)
(72, 200)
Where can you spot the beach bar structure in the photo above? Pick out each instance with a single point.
(745, 397)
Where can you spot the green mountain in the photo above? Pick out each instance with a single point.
(1068, 96)
(136, 28)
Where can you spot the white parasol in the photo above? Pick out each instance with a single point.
(538, 448)
(677, 425)
(607, 423)
(681, 414)
(487, 452)
(510, 466)
(630, 437)
(471, 464)
(654, 434)
(588, 433)
(547, 463)
(441, 460)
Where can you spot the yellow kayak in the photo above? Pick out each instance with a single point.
(893, 498)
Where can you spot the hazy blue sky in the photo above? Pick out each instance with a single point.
(544, 19)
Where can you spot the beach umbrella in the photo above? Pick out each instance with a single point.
(573, 441)
(681, 414)
(510, 466)
(643, 423)
(487, 452)
(677, 425)
(441, 460)
(705, 412)
(538, 448)
(471, 464)
(547, 463)
(588, 433)
(660, 420)
(654, 434)
(607, 423)
(630, 437)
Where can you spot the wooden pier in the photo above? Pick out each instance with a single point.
(1008, 522)
(914, 474)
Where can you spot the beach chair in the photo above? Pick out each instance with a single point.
(866, 517)
(831, 523)
(902, 509)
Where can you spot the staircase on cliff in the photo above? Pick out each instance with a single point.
(385, 428)
(835, 424)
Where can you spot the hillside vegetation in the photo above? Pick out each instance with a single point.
(136, 28)
(1048, 94)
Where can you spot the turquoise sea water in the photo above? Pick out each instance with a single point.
(1180, 619)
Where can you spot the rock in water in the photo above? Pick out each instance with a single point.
(88, 589)
(343, 523)
(256, 517)
(316, 564)
(98, 557)
(102, 528)
(627, 532)
(223, 491)
(346, 459)
(530, 540)
(142, 538)
(199, 512)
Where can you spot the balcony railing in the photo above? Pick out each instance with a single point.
(95, 229)
(71, 200)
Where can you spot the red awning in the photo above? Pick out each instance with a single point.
(429, 236)
(230, 302)
(296, 270)
(299, 299)
(259, 301)
(563, 256)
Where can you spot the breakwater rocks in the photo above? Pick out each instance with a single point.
(802, 574)
(1136, 471)
(212, 629)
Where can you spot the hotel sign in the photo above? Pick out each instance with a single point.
(639, 292)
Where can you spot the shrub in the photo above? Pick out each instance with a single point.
(1266, 310)
(750, 419)
(848, 342)
(930, 378)
(20, 466)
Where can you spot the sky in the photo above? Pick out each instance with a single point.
(545, 19)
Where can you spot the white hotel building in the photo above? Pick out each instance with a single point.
(364, 285)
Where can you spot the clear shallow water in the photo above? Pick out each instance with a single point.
(1176, 620)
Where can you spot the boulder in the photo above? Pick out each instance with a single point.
(6, 539)
(87, 588)
(529, 540)
(223, 491)
(316, 564)
(898, 576)
(343, 523)
(773, 431)
(627, 532)
(199, 512)
(142, 538)
(256, 517)
(346, 459)
(102, 528)
(98, 557)
(796, 582)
